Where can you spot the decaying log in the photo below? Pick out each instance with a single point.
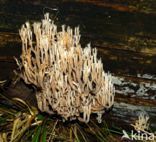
(125, 114)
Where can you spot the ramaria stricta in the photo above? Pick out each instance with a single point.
(71, 79)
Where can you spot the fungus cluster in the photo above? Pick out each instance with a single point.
(71, 80)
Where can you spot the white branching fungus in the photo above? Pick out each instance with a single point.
(71, 79)
(141, 124)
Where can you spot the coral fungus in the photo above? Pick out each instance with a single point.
(71, 80)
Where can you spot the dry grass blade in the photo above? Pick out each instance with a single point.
(4, 110)
(71, 135)
(75, 134)
(33, 111)
(23, 121)
(52, 132)
(3, 137)
(81, 133)
(2, 81)
(20, 125)
(16, 117)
